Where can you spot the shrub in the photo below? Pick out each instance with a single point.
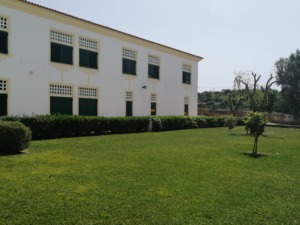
(14, 137)
(230, 122)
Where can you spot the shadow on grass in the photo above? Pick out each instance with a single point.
(255, 156)
(13, 153)
(238, 134)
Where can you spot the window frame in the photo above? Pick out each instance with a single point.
(153, 67)
(186, 74)
(63, 92)
(61, 47)
(129, 62)
(88, 94)
(129, 103)
(90, 48)
(4, 35)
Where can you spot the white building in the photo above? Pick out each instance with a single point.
(51, 62)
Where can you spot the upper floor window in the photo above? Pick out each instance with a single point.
(3, 35)
(186, 74)
(153, 67)
(88, 53)
(61, 47)
(129, 62)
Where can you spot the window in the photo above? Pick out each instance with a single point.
(186, 106)
(61, 47)
(61, 100)
(129, 98)
(3, 35)
(153, 67)
(186, 74)
(88, 102)
(3, 98)
(129, 62)
(153, 104)
(88, 53)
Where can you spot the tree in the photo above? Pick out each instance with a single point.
(288, 76)
(255, 125)
(258, 100)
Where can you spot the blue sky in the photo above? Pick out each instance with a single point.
(231, 35)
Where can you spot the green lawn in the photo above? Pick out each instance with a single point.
(199, 176)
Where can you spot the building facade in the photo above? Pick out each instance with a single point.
(51, 62)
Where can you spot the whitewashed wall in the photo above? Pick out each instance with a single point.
(30, 72)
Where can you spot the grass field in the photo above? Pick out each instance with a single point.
(200, 176)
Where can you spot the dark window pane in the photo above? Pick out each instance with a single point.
(61, 105)
(153, 108)
(88, 59)
(153, 71)
(55, 52)
(128, 108)
(3, 104)
(88, 107)
(61, 53)
(186, 77)
(129, 66)
(3, 42)
(67, 54)
(83, 58)
(186, 109)
(93, 60)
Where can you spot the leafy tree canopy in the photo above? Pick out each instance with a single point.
(288, 76)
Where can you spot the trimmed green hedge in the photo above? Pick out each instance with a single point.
(14, 137)
(59, 126)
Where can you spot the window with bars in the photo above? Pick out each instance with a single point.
(57, 89)
(88, 53)
(61, 101)
(61, 47)
(3, 35)
(153, 67)
(3, 86)
(87, 92)
(186, 74)
(129, 62)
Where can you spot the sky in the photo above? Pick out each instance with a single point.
(231, 35)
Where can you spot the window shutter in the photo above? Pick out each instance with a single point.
(3, 42)
(93, 60)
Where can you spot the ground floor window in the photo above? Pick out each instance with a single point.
(88, 101)
(153, 104)
(61, 99)
(3, 97)
(129, 98)
(3, 104)
(186, 106)
(61, 105)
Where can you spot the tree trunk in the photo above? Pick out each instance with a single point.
(254, 151)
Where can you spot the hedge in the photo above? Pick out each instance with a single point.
(14, 137)
(59, 126)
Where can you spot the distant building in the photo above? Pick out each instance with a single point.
(51, 62)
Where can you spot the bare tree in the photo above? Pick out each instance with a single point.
(250, 82)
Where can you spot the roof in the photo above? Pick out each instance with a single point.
(101, 28)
